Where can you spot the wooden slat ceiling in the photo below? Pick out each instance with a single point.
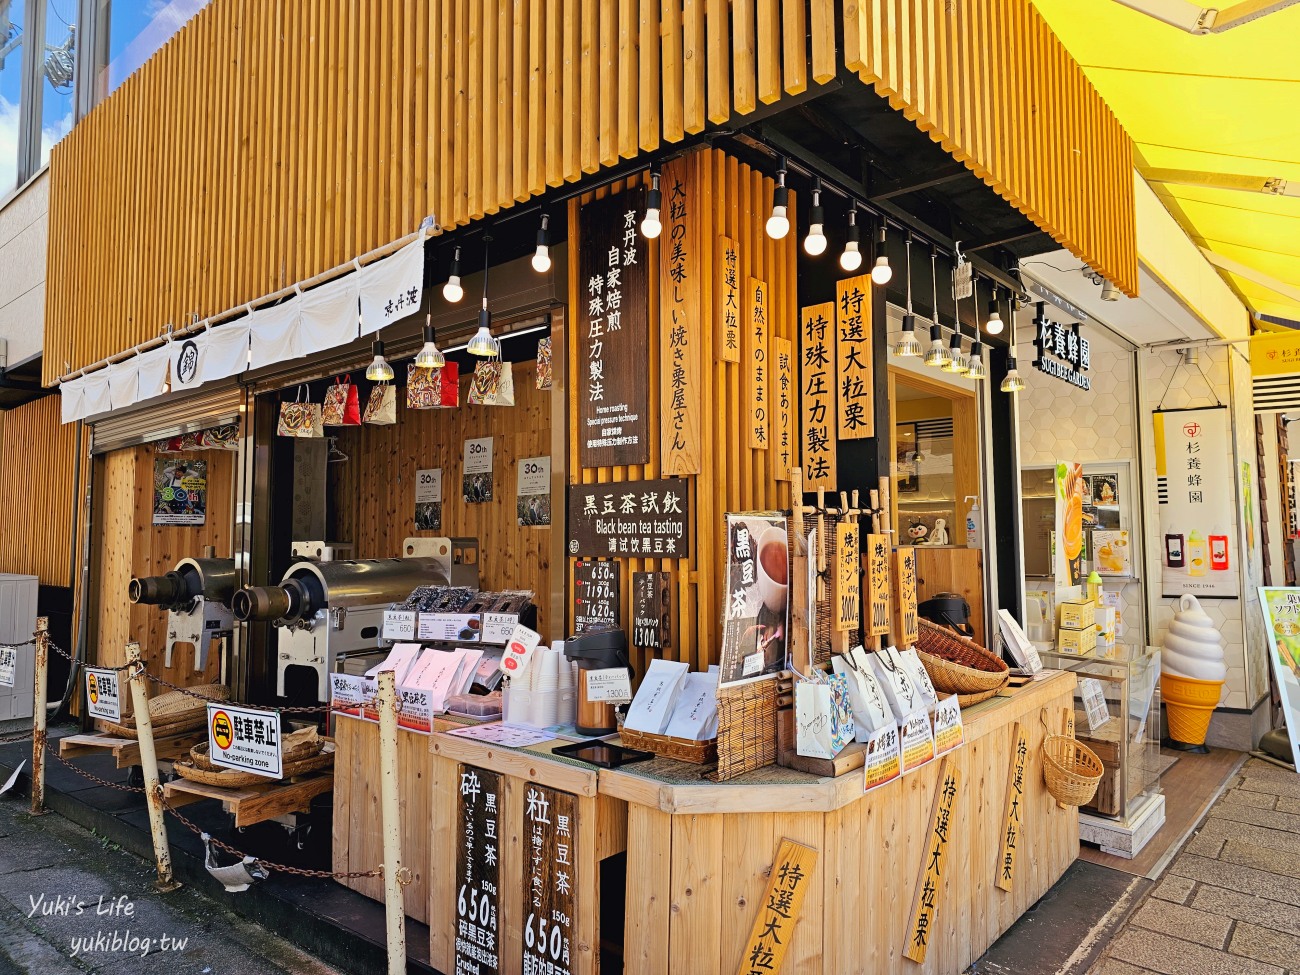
(271, 140)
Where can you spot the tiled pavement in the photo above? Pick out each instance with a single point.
(1227, 904)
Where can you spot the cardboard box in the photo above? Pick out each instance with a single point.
(1077, 642)
(1078, 615)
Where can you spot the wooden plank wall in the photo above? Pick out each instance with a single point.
(376, 513)
(124, 492)
(270, 140)
(37, 458)
(997, 89)
(734, 200)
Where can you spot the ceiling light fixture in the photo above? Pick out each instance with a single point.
(483, 344)
(429, 356)
(881, 272)
(542, 256)
(778, 224)
(379, 370)
(908, 346)
(994, 323)
(815, 243)
(851, 258)
(452, 290)
(956, 356)
(938, 354)
(650, 225)
(1012, 383)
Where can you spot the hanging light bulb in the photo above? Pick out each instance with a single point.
(882, 272)
(994, 323)
(956, 356)
(938, 354)
(654, 201)
(908, 346)
(483, 344)
(1012, 383)
(815, 243)
(975, 364)
(778, 224)
(379, 370)
(542, 256)
(851, 258)
(452, 290)
(429, 356)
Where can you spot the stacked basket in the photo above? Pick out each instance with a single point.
(301, 752)
(174, 712)
(958, 665)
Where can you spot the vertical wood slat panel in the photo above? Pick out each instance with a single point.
(717, 31)
(672, 71)
(35, 527)
(590, 52)
(648, 89)
(822, 35)
(742, 56)
(693, 73)
(628, 67)
(490, 108)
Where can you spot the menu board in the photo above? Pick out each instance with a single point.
(638, 518)
(652, 610)
(906, 627)
(595, 595)
(847, 598)
(877, 551)
(855, 419)
(817, 368)
(478, 871)
(613, 332)
(550, 879)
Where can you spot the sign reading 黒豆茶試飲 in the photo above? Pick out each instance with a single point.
(855, 419)
(613, 333)
(682, 348)
(596, 595)
(630, 518)
(478, 870)
(1062, 351)
(817, 379)
(784, 394)
(550, 880)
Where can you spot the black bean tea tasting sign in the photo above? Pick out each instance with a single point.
(630, 518)
(478, 871)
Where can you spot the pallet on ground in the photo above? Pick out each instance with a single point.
(252, 804)
(126, 751)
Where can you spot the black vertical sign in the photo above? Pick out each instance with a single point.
(550, 878)
(595, 595)
(613, 333)
(478, 849)
(652, 610)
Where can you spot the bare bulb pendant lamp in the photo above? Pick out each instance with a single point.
(908, 347)
(483, 344)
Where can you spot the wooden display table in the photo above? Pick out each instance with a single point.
(126, 751)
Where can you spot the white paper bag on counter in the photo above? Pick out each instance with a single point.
(823, 716)
(399, 661)
(695, 713)
(895, 680)
(919, 676)
(652, 708)
(871, 710)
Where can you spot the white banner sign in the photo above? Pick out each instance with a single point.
(8, 662)
(104, 694)
(244, 739)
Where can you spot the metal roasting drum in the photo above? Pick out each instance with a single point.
(197, 596)
(309, 587)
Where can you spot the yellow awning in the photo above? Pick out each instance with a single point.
(1215, 119)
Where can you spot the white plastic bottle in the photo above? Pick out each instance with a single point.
(974, 523)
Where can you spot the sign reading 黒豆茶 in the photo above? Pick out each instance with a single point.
(682, 349)
(1013, 809)
(855, 418)
(550, 903)
(727, 331)
(630, 518)
(934, 863)
(478, 871)
(756, 352)
(785, 438)
(817, 394)
(778, 911)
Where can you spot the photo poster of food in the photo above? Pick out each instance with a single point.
(1196, 491)
(756, 617)
(1069, 525)
(1281, 608)
(428, 500)
(476, 471)
(180, 491)
(533, 492)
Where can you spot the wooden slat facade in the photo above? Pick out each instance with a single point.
(37, 458)
(270, 140)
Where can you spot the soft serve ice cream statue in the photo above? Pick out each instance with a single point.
(1193, 672)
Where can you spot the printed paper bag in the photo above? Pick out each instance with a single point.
(919, 676)
(486, 381)
(900, 689)
(652, 708)
(505, 395)
(432, 389)
(342, 406)
(300, 418)
(823, 717)
(871, 711)
(544, 370)
(381, 408)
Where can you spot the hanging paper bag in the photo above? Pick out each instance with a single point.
(486, 382)
(449, 379)
(823, 715)
(544, 372)
(914, 667)
(871, 711)
(505, 394)
(423, 387)
(342, 406)
(900, 689)
(381, 408)
(300, 418)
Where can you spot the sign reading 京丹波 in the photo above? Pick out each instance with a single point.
(817, 373)
(595, 595)
(1062, 352)
(756, 618)
(847, 592)
(1013, 810)
(613, 333)
(778, 911)
(785, 441)
(906, 627)
(727, 333)
(478, 871)
(652, 610)
(550, 880)
(855, 418)
(1281, 608)
(247, 739)
(934, 865)
(103, 694)
(679, 312)
(639, 518)
(756, 336)
(876, 552)
(1196, 492)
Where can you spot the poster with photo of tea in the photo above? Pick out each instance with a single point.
(756, 617)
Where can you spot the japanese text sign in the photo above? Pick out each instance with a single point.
(8, 663)
(855, 419)
(934, 863)
(478, 870)
(877, 553)
(550, 880)
(630, 518)
(1013, 810)
(727, 328)
(778, 912)
(785, 383)
(817, 376)
(1062, 352)
(847, 578)
(906, 627)
(244, 738)
(103, 694)
(652, 610)
(681, 348)
(757, 332)
(596, 595)
(884, 760)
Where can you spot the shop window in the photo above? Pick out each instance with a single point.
(58, 74)
(129, 32)
(936, 460)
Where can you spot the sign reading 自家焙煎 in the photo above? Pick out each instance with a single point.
(926, 902)
(103, 694)
(247, 739)
(550, 902)
(478, 871)
(817, 394)
(682, 346)
(855, 419)
(630, 518)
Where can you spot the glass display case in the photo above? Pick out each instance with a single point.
(1117, 715)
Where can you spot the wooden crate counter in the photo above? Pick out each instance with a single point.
(700, 854)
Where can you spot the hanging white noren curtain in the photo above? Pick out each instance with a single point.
(226, 351)
(392, 289)
(329, 315)
(72, 399)
(277, 333)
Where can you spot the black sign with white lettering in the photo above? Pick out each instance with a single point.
(551, 878)
(632, 518)
(652, 610)
(595, 595)
(1062, 352)
(478, 871)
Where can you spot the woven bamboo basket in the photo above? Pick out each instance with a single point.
(235, 779)
(302, 744)
(957, 664)
(682, 749)
(1071, 770)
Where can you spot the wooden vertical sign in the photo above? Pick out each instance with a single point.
(935, 864)
(756, 337)
(726, 333)
(847, 579)
(1013, 810)
(855, 419)
(778, 913)
(817, 377)
(679, 314)
(478, 870)
(785, 442)
(906, 628)
(550, 880)
(876, 553)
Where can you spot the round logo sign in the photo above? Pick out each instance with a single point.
(222, 732)
(187, 362)
(94, 690)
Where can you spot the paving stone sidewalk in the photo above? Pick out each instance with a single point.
(1229, 903)
(73, 903)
